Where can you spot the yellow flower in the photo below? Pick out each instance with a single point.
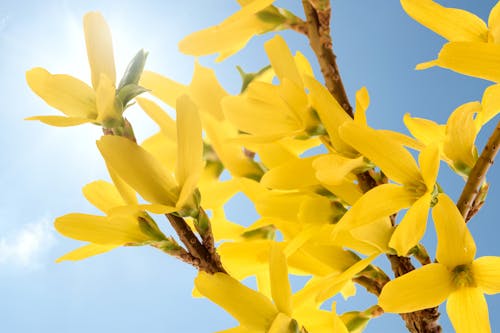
(457, 277)
(416, 192)
(79, 102)
(151, 178)
(473, 48)
(233, 33)
(255, 312)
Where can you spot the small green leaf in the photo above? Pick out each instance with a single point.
(134, 69)
(128, 92)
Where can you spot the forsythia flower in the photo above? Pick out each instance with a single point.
(473, 48)
(255, 312)
(456, 277)
(234, 32)
(79, 102)
(148, 176)
(416, 192)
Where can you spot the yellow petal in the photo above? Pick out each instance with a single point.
(382, 201)
(460, 136)
(189, 141)
(331, 169)
(330, 112)
(160, 117)
(455, 244)
(486, 272)
(420, 289)
(163, 147)
(99, 47)
(126, 192)
(396, 162)
(451, 23)
(403, 139)
(281, 324)
(67, 94)
(371, 238)
(280, 286)
(118, 230)
(139, 169)
(261, 111)
(103, 195)
(107, 112)
(162, 87)
(494, 24)
(480, 60)
(468, 311)
(490, 102)
(250, 308)
(429, 164)
(412, 227)
(282, 60)
(60, 121)
(347, 191)
(362, 103)
(284, 177)
(206, 91)
(243, 259)
(424, 130)
(86, 251)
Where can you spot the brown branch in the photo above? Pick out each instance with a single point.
(207, 262)
(477, 176)
(318, 21)
(318, 33)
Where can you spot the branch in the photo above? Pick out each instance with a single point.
(477, 176)
(207, 262)
(318, 32)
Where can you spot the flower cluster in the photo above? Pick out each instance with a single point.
(329, 189)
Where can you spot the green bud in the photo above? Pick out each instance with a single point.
(247, 78)
(272, 16)
(134, 69)
(265, 232)
(150, 228)
(126, 93)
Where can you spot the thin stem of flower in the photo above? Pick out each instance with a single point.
(477, 176)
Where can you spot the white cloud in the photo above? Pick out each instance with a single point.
(27, 246)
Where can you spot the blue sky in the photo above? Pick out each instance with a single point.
(43, 168)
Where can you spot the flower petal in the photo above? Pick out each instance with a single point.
(382, 201)
(455, 244)
(67, 94)
(107, 112)
(490, 102)
(460, 136)
(160, 117)
(451, 23)
(60, 121)
(99, 48)
(420, 289)
(250, 308)
(102, 230)
(331, 169)
(165, 89)
(139, 169)
(103, 195)
(362, 103)
(207, 92)
(330, 112)
(424, 130)
(284, 177)
(280, 286)
(494, 24)
(282, 60)
(189, 141)
(468, 311)
(486, 272)
(396, 162)
(86, 251)
(480, 60)
(412, 227)
(429, 164)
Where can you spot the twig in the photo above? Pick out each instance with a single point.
(207, 262)
(318, 33)
(478, 174)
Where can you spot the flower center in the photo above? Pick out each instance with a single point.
(463, 276)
